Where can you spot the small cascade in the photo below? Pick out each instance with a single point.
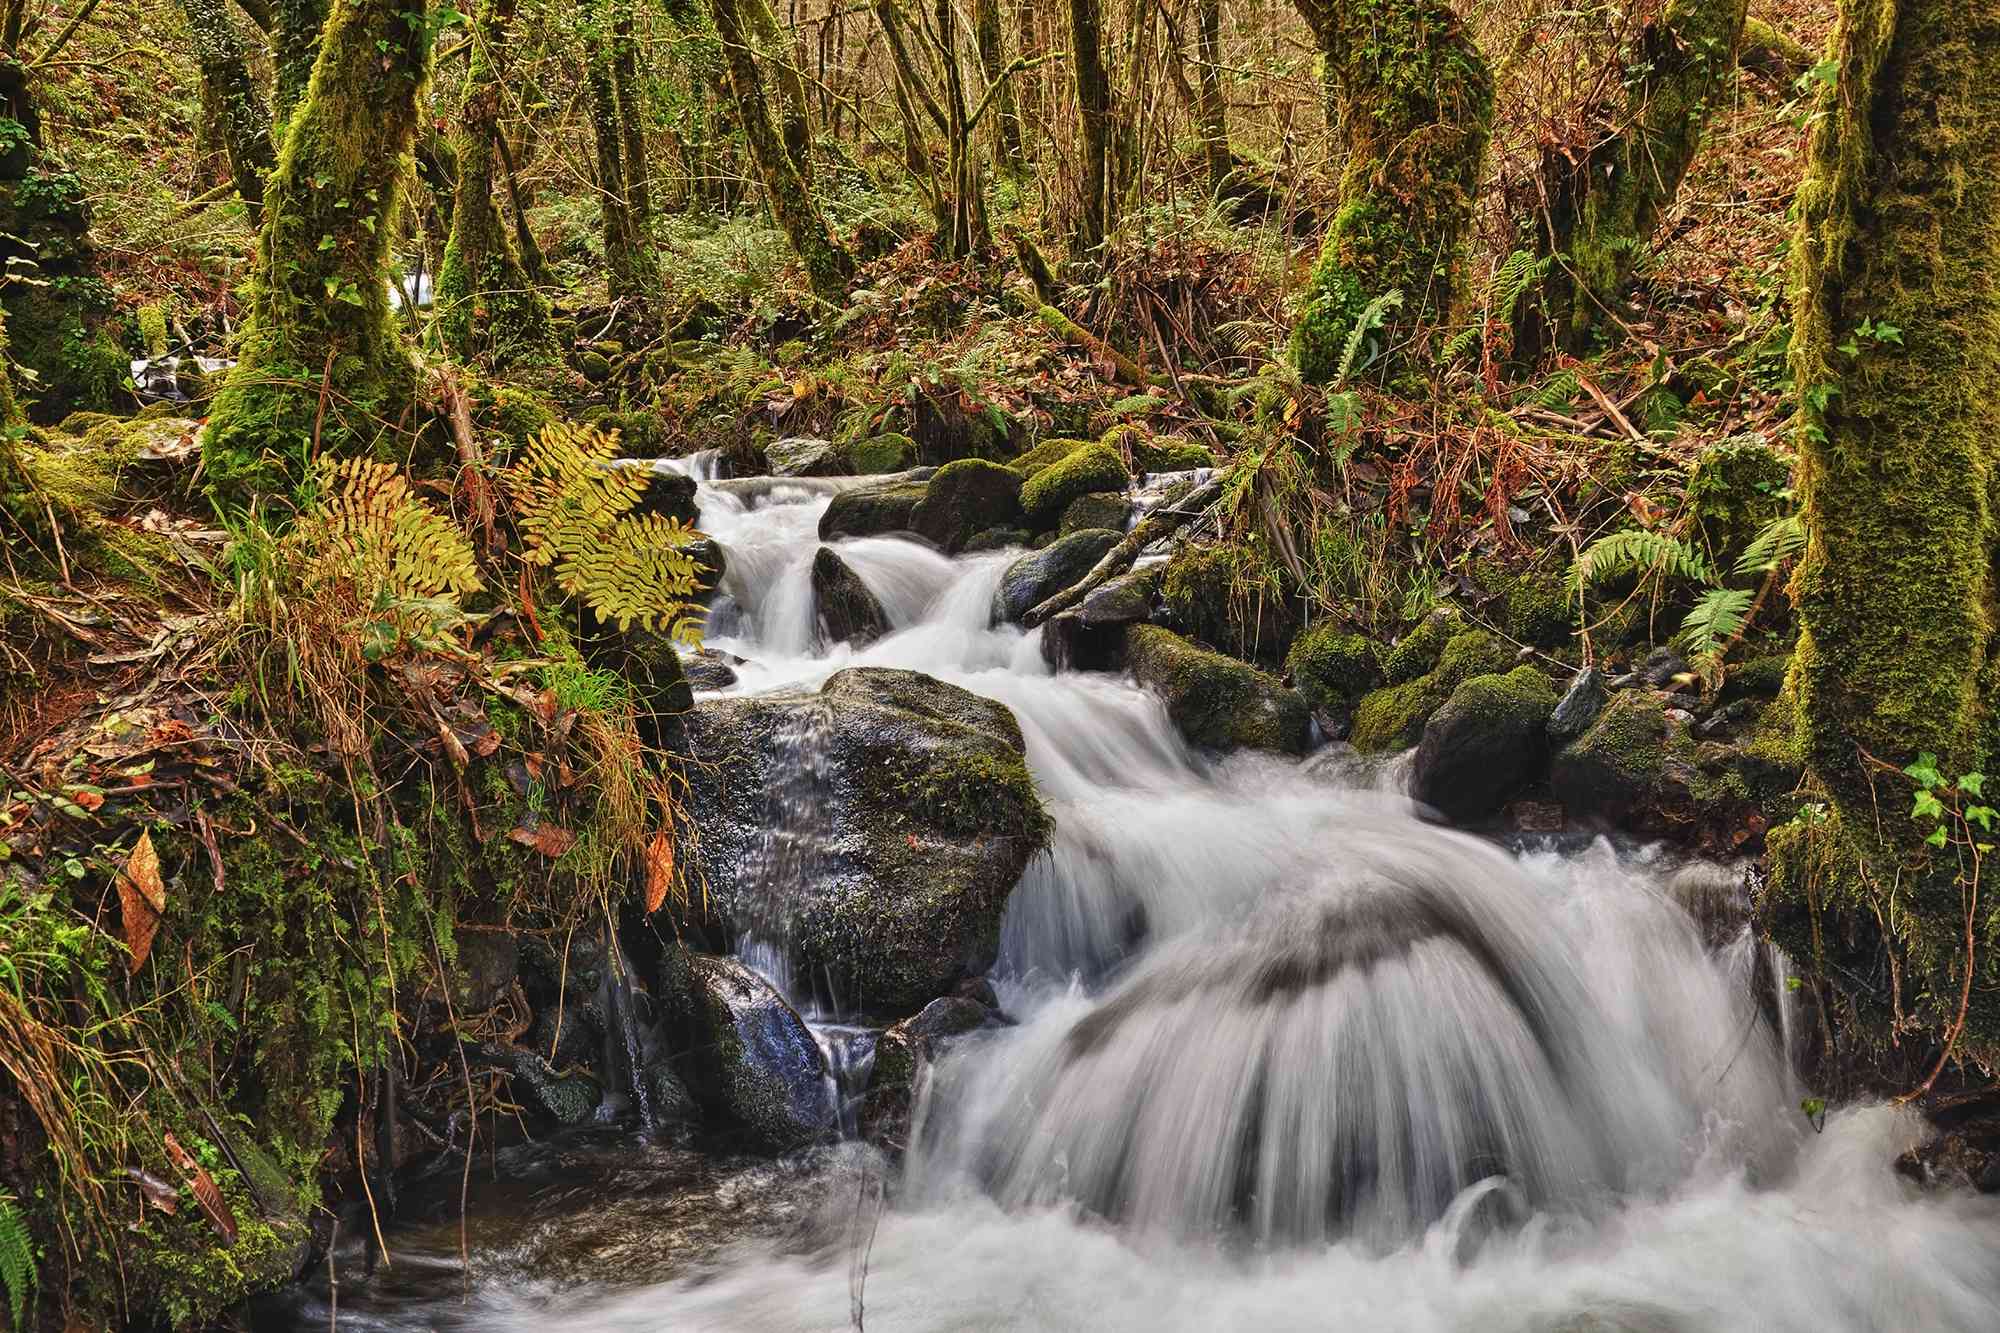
(625, 1036)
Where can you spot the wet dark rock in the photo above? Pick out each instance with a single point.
(802, 456)
(710, 669)
(964, 498)
(1487, 742)
(1216, 701)
(1661, 666)
(1100, 509)
(1631, 767)
(668, 1095)
(873, 509)
(488, 963)
(560, 1099)
(1034, 578)
(671, 495)
(753, 1062)
(650, 662)
(1090, 636)
(901, 1055)
(1581, 703)
(996, 539)
(847, 611)
(877, 826)
(1392, 718)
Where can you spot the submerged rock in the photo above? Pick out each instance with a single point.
(753, 1060)
(1488, 739)
(1034, 578)
(1217, 701)
(874, 828)
(848, 612)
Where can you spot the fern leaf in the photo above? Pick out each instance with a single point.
(17, 1261)
(1716, 619)
(1643, 552)
(1372, 317)
(1778, 541)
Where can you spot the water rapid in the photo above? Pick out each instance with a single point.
(1289, 1056)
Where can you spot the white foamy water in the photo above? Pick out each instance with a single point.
(1291, 1058)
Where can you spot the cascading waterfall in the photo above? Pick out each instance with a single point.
(1289, 1057)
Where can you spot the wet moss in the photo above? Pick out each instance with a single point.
(1081, 472)
(1392, 718)
(1230, 595)
(1216, 701)
(1048, 452)
(1418, 651)
(1333, 667)
(965, 498)
(891, 452)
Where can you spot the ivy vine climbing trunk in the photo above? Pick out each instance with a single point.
(319, 365)
(1604, 207)
(294, 48)
(245, 120)
(1414, 113)
(1096, 189)
(1897, 352)
(486, 304)
(828, 266)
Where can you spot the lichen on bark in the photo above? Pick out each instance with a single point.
(320, 367)
(1897, 355)
(1415, 111)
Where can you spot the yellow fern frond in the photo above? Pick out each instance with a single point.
(367, 528)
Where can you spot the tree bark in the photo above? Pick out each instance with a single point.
(621, 269)
(828, 266)
(1415, 113)
(1897, 351)
(992, 62)
(294, 48)
(637, 166)
(486, 304)
(1095, 187)
(320, 366)
(1211, 110)
(1604, 209)
(245, 121)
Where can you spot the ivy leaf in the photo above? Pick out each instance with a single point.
(1972, 784)
(1925, 771)
(1927, 807)
(1937, 836)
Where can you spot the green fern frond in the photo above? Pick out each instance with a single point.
(1716, 620)
(1639, 551)
(1515, 278)
(17, 1261)
(1778, 541)
(1559, 390)
(1372, 317)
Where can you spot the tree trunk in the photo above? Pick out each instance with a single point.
(794, 112)
(828, 267)
(1897, 352)
(1603, 210)
(294, 48)
(993, 64)
(1095, 187)
(242, 117)
(637, 167)
(1211, 110)
(486, 305)
(621, 275)
(320, 366)
(1416, 110)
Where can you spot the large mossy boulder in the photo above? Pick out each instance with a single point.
(1332, 667)
(877, 454)
(964, 499)
(1633, 767)
(1231, 596)
(874, 829)
(1039, 575)
(752, 1061)
(873, 509)
(1084, 471)
(1046, 454)
(1488, 740)
(1217, 702)
(1393, 717)
(846, 611)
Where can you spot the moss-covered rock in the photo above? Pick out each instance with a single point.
(1047, 453)
(1101, 509)
(1736, 488)
(1231, 596)
(1486, 742)
(752, 1061)
(1538, 610)
(1393, 717)
(804, 456)
(1168, 453)
(1632, 768)
(1090, 636)
(965, 498)
(923, 821)
(1034, 578)
(1418, 651)
(1082, 472)
(1217, 702)
(1333, 667)
(877, 454)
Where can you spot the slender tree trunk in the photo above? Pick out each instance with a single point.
(486, 305)
(637, 166)
(243, 118)
(780, 52)
(320, 366)
(828, 267)
(1095, 187)
(294, 48)
(993, 64)
(1603, 210)
(1212, 109)
(622, 279)
(1416, 110)
(1897, 351)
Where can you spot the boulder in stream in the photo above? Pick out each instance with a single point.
(870, 510)
(753, 1060)
(1488, 739)
(1216, 701)
(963, 499)
(1040, 575)
(874, 828)
(847, 611)
(802, 456)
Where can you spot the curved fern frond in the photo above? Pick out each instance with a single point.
(1716, 620)
(1639, 551)
(1372, 317)
(1778, 541)
(368, 528)
(17, 1261)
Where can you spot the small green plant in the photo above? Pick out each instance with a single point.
(17, 1261)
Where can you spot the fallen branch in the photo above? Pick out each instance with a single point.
(1160, 523)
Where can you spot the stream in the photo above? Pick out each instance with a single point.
(1286, 1102)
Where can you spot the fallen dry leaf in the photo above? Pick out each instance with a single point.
(551, 840)
(158, 1192)
(206, 1192)
(142, 897)
(659, 870)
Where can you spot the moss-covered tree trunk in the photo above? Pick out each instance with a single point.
(828, 266)
(614, 214)
(486, 305)
(1096, 190)
(1897, 352)
(794, 111)
(1603, 209)
(638, 167)
(1415, 112)
(991, 42)
(294, 47)
(1211, 109)
(320, 367)
(243, 119)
